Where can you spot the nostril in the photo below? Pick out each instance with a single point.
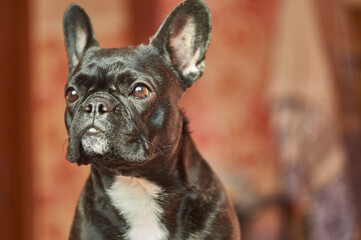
(102, 108)
(89, 108)
(98, 105)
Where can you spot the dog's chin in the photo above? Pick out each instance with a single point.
(94, 145)
(96, 149)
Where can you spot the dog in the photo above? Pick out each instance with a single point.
(147, 179)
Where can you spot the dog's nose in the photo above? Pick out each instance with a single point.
(98, 105)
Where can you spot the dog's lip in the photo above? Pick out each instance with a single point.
(92, 130)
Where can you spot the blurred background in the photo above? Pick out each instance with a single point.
(277, 112)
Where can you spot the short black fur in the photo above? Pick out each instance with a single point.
(122, 134)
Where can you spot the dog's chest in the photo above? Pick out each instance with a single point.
(136, 201)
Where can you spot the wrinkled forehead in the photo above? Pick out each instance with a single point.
(121, 65)
(112, 61)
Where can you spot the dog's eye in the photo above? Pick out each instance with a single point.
(141, 92)
(71, 95)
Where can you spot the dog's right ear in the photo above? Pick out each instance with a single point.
(79, 35)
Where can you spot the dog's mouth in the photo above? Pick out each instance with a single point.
(106, 150)
(94, 142)
(109, 162)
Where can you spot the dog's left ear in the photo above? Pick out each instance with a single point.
(79, 35)
(183, 39)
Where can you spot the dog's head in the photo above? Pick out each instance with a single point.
(122, 104)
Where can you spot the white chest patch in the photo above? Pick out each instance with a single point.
(136, 201)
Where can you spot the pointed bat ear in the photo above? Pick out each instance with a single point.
(79, 35)
(183, 39)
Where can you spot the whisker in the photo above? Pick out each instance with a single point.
(159, 150)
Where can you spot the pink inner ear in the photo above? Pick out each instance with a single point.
(182, 46)
(81, 37)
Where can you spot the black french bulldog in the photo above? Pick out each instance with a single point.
(147, 181)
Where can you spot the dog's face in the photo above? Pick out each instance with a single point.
(122, 104)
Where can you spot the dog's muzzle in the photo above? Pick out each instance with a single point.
(97, 108)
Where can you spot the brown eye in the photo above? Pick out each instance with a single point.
(72, 95)
(141, 92)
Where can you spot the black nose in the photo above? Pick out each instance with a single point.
(98, 105)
